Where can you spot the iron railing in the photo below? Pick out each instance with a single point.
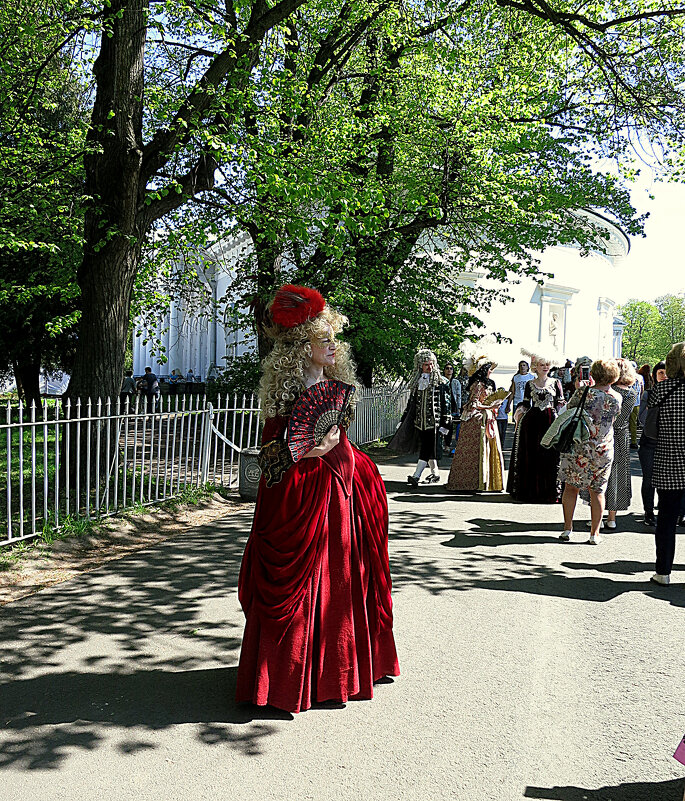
(97, 458)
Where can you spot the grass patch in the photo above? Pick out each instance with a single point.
(69, 527)
(12, 555)
(190, 496)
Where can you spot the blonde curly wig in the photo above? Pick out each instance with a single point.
(283, 370)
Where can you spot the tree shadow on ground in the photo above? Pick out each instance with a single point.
(151, 700)
(477, 569)
(629, 791)
(170, 593)
(493, 533)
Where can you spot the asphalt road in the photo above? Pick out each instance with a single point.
(530, 669)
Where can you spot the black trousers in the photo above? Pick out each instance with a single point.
(646, 453)
(670, 502)
(427, 447)
(502, 425)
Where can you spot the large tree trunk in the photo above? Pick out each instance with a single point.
(27, 377)
(113, 227)
(106, 289)
(268, 256)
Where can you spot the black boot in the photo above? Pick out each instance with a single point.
(650, 520)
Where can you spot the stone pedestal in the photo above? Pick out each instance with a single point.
(249, 474)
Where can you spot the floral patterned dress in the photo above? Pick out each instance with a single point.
(588, 465)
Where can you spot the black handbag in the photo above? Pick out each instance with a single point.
(651, 427)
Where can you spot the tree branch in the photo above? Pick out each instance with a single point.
(242, 55)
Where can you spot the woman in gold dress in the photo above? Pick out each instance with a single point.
(477, 463)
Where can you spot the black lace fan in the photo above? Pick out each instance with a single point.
(317, 410)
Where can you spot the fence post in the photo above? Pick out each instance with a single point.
(205, 449)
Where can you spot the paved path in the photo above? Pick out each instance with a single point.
(530, 669)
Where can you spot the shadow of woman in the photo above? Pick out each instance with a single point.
(628, 791)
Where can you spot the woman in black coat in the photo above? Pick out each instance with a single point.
(668, 476)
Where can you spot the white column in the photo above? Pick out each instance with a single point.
(605, 332)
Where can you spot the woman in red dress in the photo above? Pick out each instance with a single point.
(315, 579)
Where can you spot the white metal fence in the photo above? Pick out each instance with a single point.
(97, 458)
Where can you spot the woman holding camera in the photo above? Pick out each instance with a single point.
(588, 465)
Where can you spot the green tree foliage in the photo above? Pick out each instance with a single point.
(642, 320)
(445, 141)
(377, 159)
(240, 377)
(347, 136)
(43, 121)
(651, 328)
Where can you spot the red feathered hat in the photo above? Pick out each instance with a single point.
(294, 305)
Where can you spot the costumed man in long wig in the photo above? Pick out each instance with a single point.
(425, 420)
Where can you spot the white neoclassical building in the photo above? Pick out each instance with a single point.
(572, 313)
(195, 332)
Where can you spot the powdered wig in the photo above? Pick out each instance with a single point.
(420, 357)
(627, 376)
(537, 356)
(675, 361)
(283, 370)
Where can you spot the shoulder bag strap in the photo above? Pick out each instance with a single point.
(581, 405)
(578, 410)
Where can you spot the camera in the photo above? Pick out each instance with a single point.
(585, 372)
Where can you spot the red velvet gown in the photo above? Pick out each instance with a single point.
(315, 583)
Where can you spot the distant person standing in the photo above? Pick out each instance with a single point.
(639, 387)
(566, 379)
(518, 384)
(174, 380)
(647, 446)
(128, 389)
(455, 403)
(424, 422)
(619, 489)
(588, 464)
(503, 418)
(150, 388)
(533, 469)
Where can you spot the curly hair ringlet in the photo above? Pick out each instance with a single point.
(283, 370)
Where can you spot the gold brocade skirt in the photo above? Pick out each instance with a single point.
(477, 463)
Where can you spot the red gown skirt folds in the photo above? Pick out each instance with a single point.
(315, 584)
